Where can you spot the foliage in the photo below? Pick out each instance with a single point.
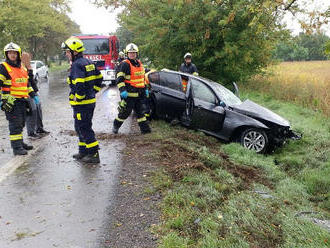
(230, 40)
(37, 26)
(302, 47)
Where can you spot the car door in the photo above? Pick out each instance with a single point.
(43, 69)
(169, 95)
(204, 110)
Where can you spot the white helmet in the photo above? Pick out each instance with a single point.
(187, 55)
(12, 47)
(131, 48)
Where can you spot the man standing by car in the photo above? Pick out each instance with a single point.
(187, 67)
(133, 91)
(84, 80)
(34, 122)
(15, 81)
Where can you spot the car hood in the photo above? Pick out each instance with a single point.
(254, 110)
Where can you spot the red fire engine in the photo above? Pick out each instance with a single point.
(103, 51)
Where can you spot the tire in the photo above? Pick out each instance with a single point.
(37, 78)
(255, 139)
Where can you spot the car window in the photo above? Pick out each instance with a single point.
(171, 80)
(202, 91)
(154, 78)
(38, 64)
(41, 64)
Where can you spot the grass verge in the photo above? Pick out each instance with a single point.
(221, 195)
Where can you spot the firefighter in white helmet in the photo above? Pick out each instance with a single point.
(188, 67)
(15, 85)
(131, 84)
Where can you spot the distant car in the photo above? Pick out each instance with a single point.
(215, 110)
(40, 70)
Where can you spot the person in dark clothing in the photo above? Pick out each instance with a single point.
(15, 85)
(34, 123)
(187, 67)
(85, 81)
(133, 91)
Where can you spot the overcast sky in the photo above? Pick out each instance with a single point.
(94, 20)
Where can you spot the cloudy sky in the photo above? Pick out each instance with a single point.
(94, 20)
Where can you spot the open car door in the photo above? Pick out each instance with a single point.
(203, 108)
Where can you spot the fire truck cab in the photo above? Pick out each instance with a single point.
(103, 51)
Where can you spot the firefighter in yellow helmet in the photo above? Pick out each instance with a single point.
(85, 81)
(131, 84)
(15, 85)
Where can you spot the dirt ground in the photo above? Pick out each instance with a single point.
(135, 211)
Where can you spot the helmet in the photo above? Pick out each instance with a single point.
(121, 54)
(187, 55)
(12, 47)
(131, 47)
(73, 44)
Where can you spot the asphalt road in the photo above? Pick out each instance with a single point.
(47, 199)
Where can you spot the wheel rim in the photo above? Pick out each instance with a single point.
(254, 140)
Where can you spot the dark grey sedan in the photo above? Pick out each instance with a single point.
(215, 110)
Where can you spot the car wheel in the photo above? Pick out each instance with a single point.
(36, 78)
(254, 139)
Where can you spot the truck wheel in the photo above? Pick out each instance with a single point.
(254, 139)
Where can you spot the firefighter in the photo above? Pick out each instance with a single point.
(121, 57)
(15, 84)
(130, 82)
(187, 67)
(85, 81)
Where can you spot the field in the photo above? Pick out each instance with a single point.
(305, 83)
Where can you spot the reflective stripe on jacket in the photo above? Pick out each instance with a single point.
(136, 79)
(84, 80)
(18, 85)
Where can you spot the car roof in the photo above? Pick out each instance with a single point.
(209, 82)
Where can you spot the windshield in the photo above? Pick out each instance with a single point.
(96, 46)
(228, 97)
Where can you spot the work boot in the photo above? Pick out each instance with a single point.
(91, 158)
(34, 136)
(20, 151)
(79, 155)
(42, 131)
(27, 147)
(115, 129)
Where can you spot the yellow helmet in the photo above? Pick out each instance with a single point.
(131, 48)
(74, 44)
(12, 47)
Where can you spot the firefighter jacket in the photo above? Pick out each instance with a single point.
(84, 80)
(130, 77)
(189, 68)
(16, 80)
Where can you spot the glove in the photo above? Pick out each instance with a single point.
(147, 93)
(7, 103)
(36, 100)
(124, 94)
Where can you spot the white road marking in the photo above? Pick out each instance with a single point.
(12, 165)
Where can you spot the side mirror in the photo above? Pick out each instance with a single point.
(222, 104)
(236, 89)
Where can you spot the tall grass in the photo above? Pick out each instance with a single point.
(305, 83)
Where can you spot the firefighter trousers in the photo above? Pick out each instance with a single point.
(83, 116)
(125, 108)
(16, 119)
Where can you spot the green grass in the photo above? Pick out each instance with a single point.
(54, 67)
(210, 189)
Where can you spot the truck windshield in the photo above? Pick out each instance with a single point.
(96, 46)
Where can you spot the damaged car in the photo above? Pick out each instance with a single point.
(215, 110)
